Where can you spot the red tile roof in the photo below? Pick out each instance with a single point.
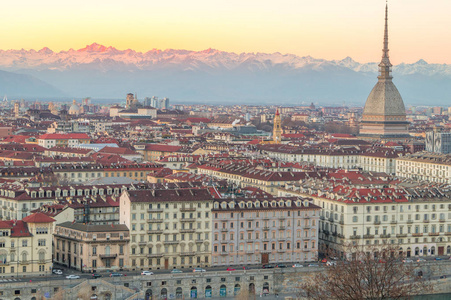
(60, 136)
(38, 217)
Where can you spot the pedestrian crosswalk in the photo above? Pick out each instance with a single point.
(8, 280)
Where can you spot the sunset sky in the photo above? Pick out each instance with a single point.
(330, 29)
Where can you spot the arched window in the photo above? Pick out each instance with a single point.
(24, 256)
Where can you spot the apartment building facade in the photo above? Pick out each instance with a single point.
(26, 246)
(427, 166)
(91, 248)
(168, 228)
(249, 231)
(416, 219)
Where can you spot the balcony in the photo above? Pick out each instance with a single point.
(171, 242)
(188, 230)
(224, 229)
(401, 235)
(266, 228)
(154, 210)
(393, 222)
(199, 241)
(224, 253)
(305, 249)
(340, 235)
(354, 237)
(104, 256)
(368, 236)
(154, 255)
(433, 233)
(187, 220)
(385, 236)
(409, 221)
(155, 231)
(250, 251)
(377, 222)
(322, 217)
(425, 221)
(447, 233)
(442, 220)
(326, 232)
(154, 220)
(331, 220)
(417, 234)
(187, 209)
(282, 227)
(341, 222)
(142, 243)
(188, 253)
(282, 218)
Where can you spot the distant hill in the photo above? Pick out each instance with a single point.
(23, 86)
(216, 76)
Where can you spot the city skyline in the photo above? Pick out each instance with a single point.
(322, 29)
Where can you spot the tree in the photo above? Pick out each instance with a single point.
(372, 273)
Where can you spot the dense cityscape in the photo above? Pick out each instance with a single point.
(144, 198)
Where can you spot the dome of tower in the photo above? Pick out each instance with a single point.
(384, 100)
(74, 109)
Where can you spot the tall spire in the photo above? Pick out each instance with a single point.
(385, 65)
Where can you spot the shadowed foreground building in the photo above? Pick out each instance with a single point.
(91, 247)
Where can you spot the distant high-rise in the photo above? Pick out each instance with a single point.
(438, 141)
(384, 115)
(164, 103)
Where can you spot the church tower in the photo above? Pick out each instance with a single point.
(277, 130)
(384, 115)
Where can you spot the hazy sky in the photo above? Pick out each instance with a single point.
(330, 29)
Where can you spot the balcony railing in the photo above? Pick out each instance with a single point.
(187, 209)
(417, 234)
(409, 221)
(377, 222)
(385, 236)
(368, 236)
(433, 233)
(112, 255)
(187, 220)
(154, 220)
(354, 237)
(152, 210)
(189, 230)
(400, 235)
(155, 231)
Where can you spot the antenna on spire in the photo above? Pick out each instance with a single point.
(385, 65)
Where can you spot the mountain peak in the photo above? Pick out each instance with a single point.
(94, 47)
(45, 50)
(421, 62)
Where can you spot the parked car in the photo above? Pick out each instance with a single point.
(298, 266)
(146, 273)
(230, 269)
(199, 270)
(324, 260)
(281, 266)
(176, 271)
(331, 263)
(72, 277)
(57, 271)
(95, 275)
(313, 265)
(407, 260)
(268, 266)
(421, 260)
(116, 275)
(438, 258)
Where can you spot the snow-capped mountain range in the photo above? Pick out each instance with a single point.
(210, 75)
(105, 57)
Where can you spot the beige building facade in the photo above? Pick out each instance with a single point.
(91, 247)
(168, 228)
